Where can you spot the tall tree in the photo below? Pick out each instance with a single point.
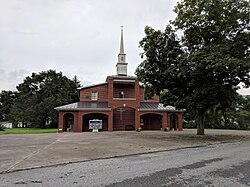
(39, 94)
(7, 99)
(77, 84)
(212, 62)
(243, 113)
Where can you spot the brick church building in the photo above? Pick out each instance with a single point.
(119, 103)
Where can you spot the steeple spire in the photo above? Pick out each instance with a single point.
(121, 43)
(121, 66)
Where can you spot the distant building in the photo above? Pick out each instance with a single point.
(119, 103)
(6, 124)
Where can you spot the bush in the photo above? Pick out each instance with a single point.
(139, 129)
(190, 125)
(166, 129)
(2, 127)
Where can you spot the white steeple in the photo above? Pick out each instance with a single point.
(121, 43)
(121, 66)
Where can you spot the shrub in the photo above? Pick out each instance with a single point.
(166, 129)
(1, 127)
(138, 129)
(190, 125)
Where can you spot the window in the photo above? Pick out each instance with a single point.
(94, 96)
(121, 58)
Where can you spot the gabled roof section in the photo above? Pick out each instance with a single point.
(149, 106)
(93, 85)
(84, 106)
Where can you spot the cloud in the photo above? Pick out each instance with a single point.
(76, 37)
(9, 80)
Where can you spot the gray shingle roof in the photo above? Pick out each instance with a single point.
(144, 106)
(149, 106)
(85, 106)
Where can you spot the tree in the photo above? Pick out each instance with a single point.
(243, 113)
(39, 94)
(7, 99)
(77, 84)
(237, 116)
(205, 70)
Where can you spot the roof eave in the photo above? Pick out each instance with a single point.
(159, 110)
(93, 85)
(78, 109)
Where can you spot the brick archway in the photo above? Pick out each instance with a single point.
(91, 116)
(151, 121)
(123, 119)
(174, 125)
(68, 122)
(64, 123)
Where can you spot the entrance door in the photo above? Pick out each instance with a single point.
(123, 119)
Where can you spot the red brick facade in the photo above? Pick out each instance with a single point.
(124, 97)
(101, 90)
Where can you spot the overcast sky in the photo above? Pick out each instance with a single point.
(76, 37)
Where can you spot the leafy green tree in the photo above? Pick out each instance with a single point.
(7, 99)
(39, 94)
(237, 116)
(206, 69)
(243, 113)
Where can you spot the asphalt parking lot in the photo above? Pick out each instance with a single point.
(18, 152)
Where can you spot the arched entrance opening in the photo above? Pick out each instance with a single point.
(123, 119)
(173, 121)
(92, 116)
(68, 122)
(151, 122)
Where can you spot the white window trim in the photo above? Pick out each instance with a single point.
(94, 96)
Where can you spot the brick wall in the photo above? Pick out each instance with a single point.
(155, 98)
(85, 94)
(141, 94)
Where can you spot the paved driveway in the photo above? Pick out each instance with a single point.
(38, 150)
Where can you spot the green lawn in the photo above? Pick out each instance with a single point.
(27, 131)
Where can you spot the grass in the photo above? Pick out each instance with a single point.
(27, 131)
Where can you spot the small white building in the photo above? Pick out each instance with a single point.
(6, 124)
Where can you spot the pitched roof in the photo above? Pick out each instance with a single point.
(90, 105)
(150, 106)
(85, 106)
